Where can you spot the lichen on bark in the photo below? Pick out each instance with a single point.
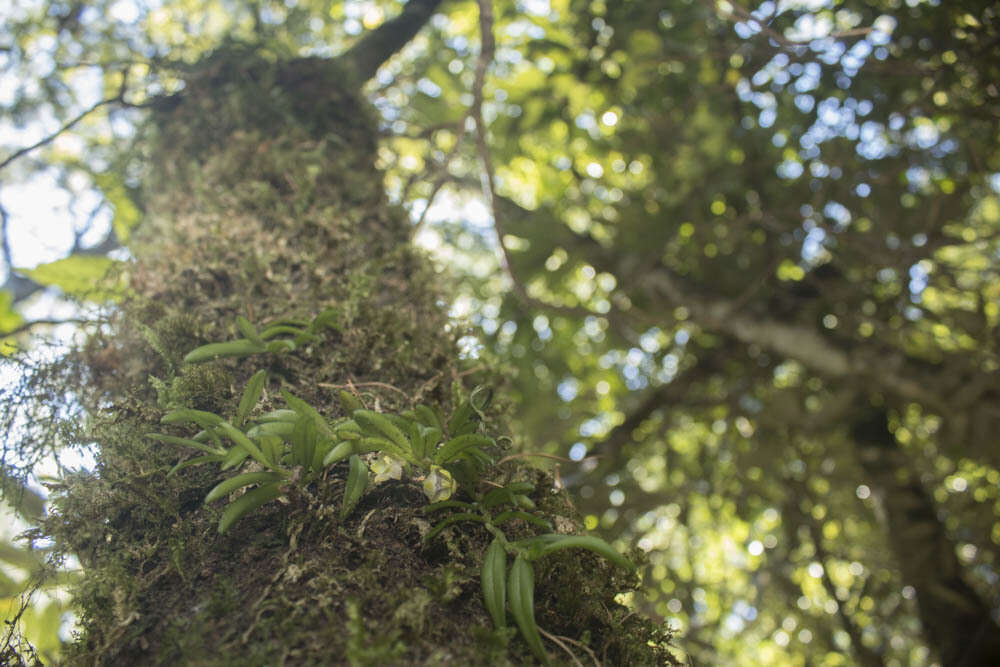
(263, 201)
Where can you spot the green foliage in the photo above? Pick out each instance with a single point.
(292, 447)
(278, 337)
(81, 276)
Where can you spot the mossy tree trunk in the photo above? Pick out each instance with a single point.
(263, 201)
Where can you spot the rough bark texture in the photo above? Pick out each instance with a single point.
(263, 201)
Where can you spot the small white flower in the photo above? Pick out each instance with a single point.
(387, 467)
(439, 484)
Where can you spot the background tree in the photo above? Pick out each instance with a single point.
(768, 258)
(752, 255)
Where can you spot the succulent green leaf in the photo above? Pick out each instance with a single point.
(340, 452)
(227, 486)
(303, 408)
(240, 347)
(428, 416)
(248, 330)
(282, 415)
(326, 318)
(357, 481)
(254, 388)
(453, 519)
(595, 544)
(524, 516)
(273, 330)
(281, 429)
(206, 420)
(241, 440)
(349, 402)
(248, 502)
(494, 582)
(456, 446)
(279, 346)
(446, 504)
(235, 457)
(376, 423)
(304, 441)
(187, 442)
(521, 592)
(506, 493)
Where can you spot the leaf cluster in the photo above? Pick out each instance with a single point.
(289, 448)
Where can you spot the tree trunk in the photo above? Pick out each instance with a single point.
(955, 618)
(263, 201)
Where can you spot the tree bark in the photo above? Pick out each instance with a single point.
(956, 620)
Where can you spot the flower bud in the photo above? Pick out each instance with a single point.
(439, 484)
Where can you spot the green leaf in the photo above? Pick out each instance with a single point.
(595, 544)
(417, 443)
(349, 402)
(494, 582)
(282, 415)
(357, 481)
(524, 516)
(282, 429)
(272, 446)
(9, 320)
(196, 461)
(246, 443)
(235, 457)
(379, 423)
(454, 447)
(225, 487)
(377, 444)
(206, 420)
(82, 276)
(25, 501)
(304, 409)
(304, 441)
(279, 346)
(506, 493)
(248, 330)
(445, 504)
(277, 329)
(186, 442)
(428, 416)
(339, 453)
(326, 318)
(254, 388)
(240, 347)
(454, 518)
(248, 502)
(126, 213)
(521, 591)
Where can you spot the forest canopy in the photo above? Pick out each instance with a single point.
(739, 265)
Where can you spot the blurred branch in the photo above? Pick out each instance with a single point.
(793, 511)
(376, 47)
(117, 99)
(739, 14)
(26, 326)
(5, 238)
(489, 181)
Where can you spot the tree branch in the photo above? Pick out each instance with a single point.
(67, 126)
(376, 47)
(26, 326)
